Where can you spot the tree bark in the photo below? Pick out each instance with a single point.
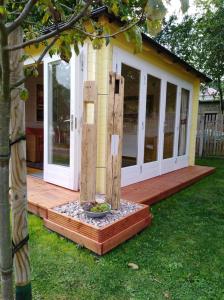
(5, 229)
(18, 191)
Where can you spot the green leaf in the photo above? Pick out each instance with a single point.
(76, 48)
(115, 9)
(65, 52)
(106, 32)
(3, 11)
(154, 27)
(127, 36)
(97, 43)
(138, 40)
(24, 57)
(155, 10)
(46, 17)
(24, 94)
(134, 35)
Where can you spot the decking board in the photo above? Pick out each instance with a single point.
(42, 197)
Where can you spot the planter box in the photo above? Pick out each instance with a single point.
(103, 239)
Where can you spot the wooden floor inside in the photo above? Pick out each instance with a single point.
(43, 196)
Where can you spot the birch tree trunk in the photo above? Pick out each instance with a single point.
(5, 230)
(18, 175)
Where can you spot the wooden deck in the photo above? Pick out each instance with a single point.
(158, 188)
(42, 197)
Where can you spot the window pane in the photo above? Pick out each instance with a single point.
(130, 125)
(169, 126)
(59, 113)
(152, 119)
(183, 122)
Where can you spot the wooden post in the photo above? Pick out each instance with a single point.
(114, 140)
(201, 135)
(18, 191)
(89, 143)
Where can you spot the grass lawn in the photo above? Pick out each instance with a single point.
(181, 256)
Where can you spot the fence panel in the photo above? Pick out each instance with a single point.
(210, 135)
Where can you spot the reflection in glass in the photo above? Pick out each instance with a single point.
(169, 126)
(130, 125)
(152, 119)
(59, 113)
(183, 122)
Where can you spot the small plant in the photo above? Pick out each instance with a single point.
(100, 207)
(95, 209)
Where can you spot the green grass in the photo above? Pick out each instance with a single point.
(181, 256)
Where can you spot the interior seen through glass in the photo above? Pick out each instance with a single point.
(152, 119)
(170, 117)
(59, 113)
(183, 122)
(130, 124)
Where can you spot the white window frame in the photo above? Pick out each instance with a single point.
(141, 170)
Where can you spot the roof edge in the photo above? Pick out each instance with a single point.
(158, 47)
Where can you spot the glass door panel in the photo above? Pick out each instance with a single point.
(183, 125)
(60, 148)
(170, 118)
(59, 113)
(131, 115)
(152, 119)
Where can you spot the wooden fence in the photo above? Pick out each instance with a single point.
(210, 135)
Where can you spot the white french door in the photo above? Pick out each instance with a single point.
(62, 88)
(132, 126)
(176, 125)
(156, 119)
(141, 127)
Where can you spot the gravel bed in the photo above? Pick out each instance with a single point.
(74, 210)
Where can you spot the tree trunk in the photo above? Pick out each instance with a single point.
(18, 182)
(5, 230)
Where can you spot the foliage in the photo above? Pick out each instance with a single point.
(199, 40)
(180, 256)
(46, 16)
(100, 207)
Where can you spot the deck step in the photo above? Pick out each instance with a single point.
(161, 187)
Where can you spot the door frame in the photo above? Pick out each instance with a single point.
(67, 177)
(142, 171)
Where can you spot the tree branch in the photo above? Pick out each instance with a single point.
(51, 34)
(101, 36)
(18, 83)
(18, 21)
(47, 48)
